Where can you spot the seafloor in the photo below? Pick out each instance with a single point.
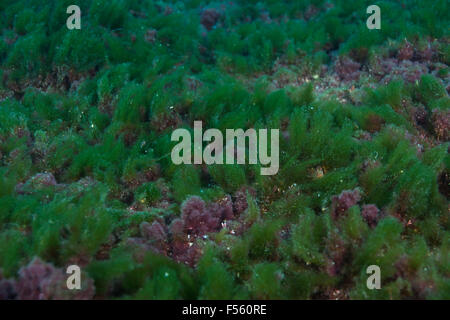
(86, 177)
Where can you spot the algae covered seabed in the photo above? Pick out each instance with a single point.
(86, 176)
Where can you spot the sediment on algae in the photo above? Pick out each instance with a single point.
(86, 176)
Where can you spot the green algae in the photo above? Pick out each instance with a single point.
(94, 109)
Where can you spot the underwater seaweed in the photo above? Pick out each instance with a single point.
(86, 176)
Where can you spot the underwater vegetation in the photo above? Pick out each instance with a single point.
(86, 176)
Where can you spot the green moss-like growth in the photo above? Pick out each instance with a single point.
(86, 175)
(431, 89)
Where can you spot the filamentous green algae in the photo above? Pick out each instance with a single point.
(87, 178)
